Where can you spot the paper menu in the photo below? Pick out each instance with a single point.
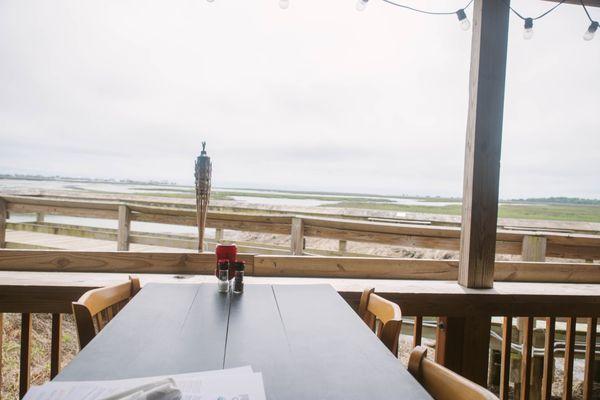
(229, 384)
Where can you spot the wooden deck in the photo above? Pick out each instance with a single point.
(37, 240)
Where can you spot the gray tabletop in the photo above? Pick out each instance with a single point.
(305, 339)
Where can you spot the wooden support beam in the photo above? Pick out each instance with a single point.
(297, 236)
(483, 144)
(463, 345)
(343, 246)
(3, 218)
(55, 348)
(25, 365)
(534, 248)
(124, 228)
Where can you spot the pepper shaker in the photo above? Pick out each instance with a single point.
(238, 280)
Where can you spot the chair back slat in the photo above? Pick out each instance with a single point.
(442, 383)
(97, 307)
(383, 317)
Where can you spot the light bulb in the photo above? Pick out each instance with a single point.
(528, 32)
(465, 24)
(284, 4)
(589, 34)
(361, 5)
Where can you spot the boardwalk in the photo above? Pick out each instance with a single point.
(37, 240)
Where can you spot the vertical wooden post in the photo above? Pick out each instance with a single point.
(483, 143)
(462, 345)
(505, 363)
(534, 248)
(218, 235)
(25, 354)
(39, 218)
(124, 225)
(343, 246)
(297, 236)
(3, 218)
(55, 346)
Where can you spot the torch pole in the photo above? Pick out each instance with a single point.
(203, 172)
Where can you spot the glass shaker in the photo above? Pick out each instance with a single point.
(223, 275)
(238, 280)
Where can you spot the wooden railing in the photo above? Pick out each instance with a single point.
(531, 245)
(29, 283)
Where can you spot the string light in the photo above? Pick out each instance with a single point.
(464, 21)
(528, 29)
(589, 34)
(465, 24)
(591, 31)
(361, 5)
(284, 4)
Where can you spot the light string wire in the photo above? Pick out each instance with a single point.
(539, 16)
(428, 12)
(586, 11)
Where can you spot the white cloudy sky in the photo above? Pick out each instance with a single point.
(318, 96)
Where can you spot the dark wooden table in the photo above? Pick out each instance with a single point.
(305, 339)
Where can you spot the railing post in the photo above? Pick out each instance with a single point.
(124, 225)
(218, 235)
(297, 236)
(462, 345)
(25, 354)
(3, 218)
(534, 248)
(39, 218)
(343, 246)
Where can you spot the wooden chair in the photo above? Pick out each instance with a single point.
(440, 382)
(97, 307)
(374, 308)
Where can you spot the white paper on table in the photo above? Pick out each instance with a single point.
(206, 385)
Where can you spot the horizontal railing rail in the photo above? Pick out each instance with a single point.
(532, 245)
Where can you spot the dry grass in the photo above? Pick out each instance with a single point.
(40, 350)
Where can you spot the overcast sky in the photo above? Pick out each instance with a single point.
(318, 96)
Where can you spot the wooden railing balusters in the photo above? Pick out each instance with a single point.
(505, 363)
(548, 373)
(417, 330)
(526, 358)
(590, 354)
(55, 345)
(569, 358)
(1, 337)
(25, 361)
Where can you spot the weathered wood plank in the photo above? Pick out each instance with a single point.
(483, 144)
(526, 358)
(569, 358)
(94, 261)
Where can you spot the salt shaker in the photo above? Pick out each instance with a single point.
(223, 271)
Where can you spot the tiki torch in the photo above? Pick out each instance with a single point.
(203, 172)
